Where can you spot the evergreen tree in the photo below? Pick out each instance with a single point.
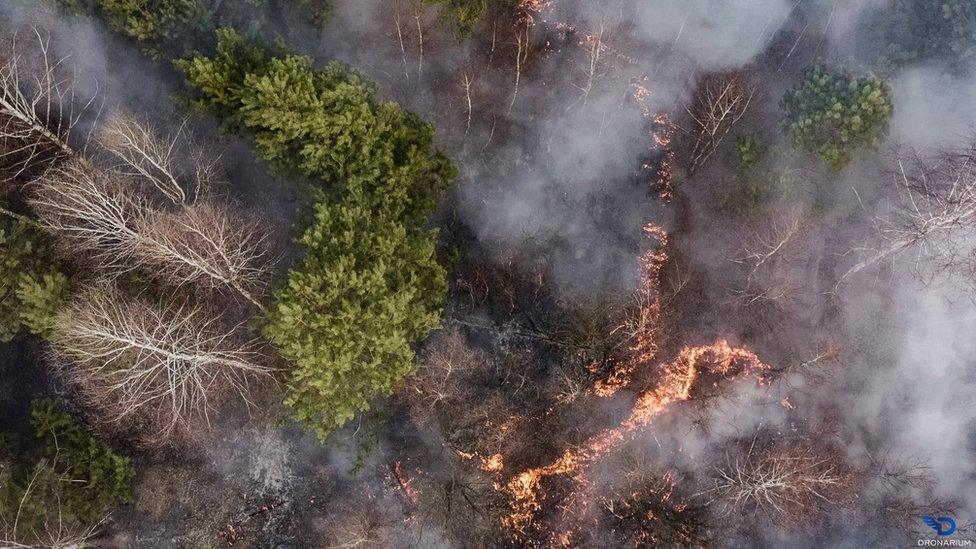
(74, 482)
(367, 288)
(832, 114)
(324, 125)
(31, 287)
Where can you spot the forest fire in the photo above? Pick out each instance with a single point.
(641, 324)
(678, 379)
(405, 483)
(662, 134)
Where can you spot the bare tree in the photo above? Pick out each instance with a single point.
(721, 101)
(790, 482)
(932, 217)
(141, 361)
(447, 362)
(202, 243)
(770, 259)
(90, 213)
(207, 245)
(37, 111)
(157, 159)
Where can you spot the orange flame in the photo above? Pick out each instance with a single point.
(406, 484)
(677, 380)
(641, 325)
(662, 135)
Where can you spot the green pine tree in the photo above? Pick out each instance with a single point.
(367, 288)
(31, 286)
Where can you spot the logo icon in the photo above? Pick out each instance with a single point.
(944, 526)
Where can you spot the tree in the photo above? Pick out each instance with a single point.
(789, 482)
(36, 113)
(722, 100)
(62, 500)
(907, 31)
(151, 23)
(465, 14)
(366, 288)
(32, 287)
(158, 366)
(933, 215)
(321, 124)
(833, 114)
(203, 243)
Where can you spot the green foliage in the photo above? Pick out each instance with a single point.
(149, 22)
(833, 114)
(466, 13)
(367, 287)
(756, 178)
(323, 124)
(31, 287)
(75, 481)
(913, 31)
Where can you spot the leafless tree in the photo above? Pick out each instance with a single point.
(721, 101)
(140, 361)
(447, 361)
(770, 259)
(90, 213)
(38, 110)
(157, 159)
(207, 245)
(790, 482)
(202, 243)
(361, 525)
(932, 217)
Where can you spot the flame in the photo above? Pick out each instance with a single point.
(493, 463)
(677, 381)
(641, 325)
(528, 10)
(661, 135)
(406, 484)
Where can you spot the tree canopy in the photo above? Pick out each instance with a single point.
(907, 31)
(75, 481)
(832, 114)
(369, 285)
(149, 22)
(31, 286)
(367, 288)
(326, 124)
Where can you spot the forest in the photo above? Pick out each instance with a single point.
(487, 273)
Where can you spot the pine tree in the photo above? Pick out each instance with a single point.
(31, 287)
(367, 287)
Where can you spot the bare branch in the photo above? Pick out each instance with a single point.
(163, 364)
(37, 111)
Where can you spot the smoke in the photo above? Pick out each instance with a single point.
(553, 171)
(933, 109)
(715, 35)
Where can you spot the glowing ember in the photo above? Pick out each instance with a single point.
(406, 484)
(493, 463)
(662, 135)
(677, 380)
